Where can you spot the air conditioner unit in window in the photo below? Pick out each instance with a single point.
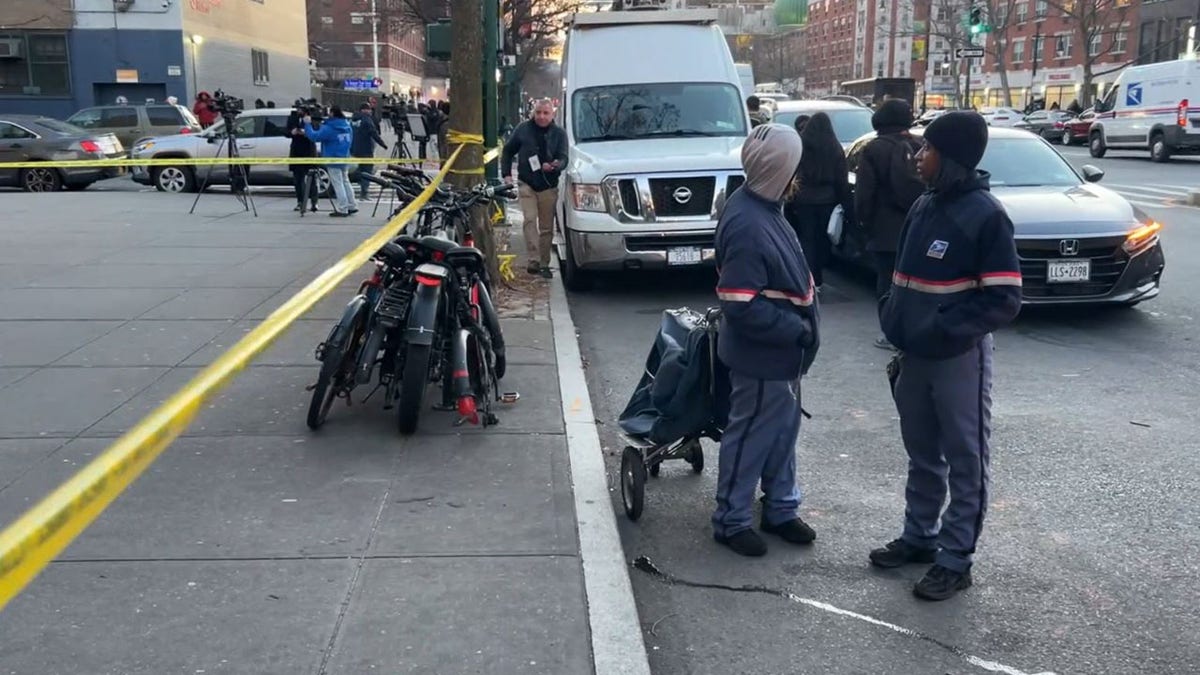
(11, 48)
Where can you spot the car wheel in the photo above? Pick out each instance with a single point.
(41, 180)
(1066, 137)
(174, 179)
(324, 184)
(574, 278)
(1096, 145)
(1159, 152)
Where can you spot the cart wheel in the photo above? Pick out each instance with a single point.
(633, 482)
(655, 469)
(695, 457)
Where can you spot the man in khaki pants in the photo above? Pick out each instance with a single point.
(540, 148)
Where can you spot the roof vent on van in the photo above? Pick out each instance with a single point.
(642, 5)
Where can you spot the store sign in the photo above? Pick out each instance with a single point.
(205, 6)
(942, 84)
(174, 71)
(127, 76)
(364, 84)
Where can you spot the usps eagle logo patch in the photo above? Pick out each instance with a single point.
(937, 249)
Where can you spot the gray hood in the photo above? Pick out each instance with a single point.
(770, 156)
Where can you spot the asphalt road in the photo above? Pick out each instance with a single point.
(1088, 562)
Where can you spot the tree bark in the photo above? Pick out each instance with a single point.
(466, 114)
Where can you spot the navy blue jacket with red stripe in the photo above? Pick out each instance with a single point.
(770, 319)
(957, 275)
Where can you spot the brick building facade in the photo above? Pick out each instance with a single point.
(339, 32)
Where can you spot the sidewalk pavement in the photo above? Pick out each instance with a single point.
(254, 545)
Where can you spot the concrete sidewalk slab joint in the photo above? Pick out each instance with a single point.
(616, 635)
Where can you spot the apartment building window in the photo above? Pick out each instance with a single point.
(261, 67)
(1022, 11)
(1094, 44)
(36, 64)
(1018, 52)
(1062, 46)
(1042, 8)
(1039, 47)
(1120, 39)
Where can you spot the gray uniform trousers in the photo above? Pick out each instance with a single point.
(945, 419)
(758, 443)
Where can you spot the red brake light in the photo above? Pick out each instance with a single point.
(428, 281)
(439, 256)
(1183, 109)
(185, 130)
(89, 146)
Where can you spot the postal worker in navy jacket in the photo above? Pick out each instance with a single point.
(768, 338)
(957, 280)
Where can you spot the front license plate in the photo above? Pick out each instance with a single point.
(683, 255)
(1068, 271)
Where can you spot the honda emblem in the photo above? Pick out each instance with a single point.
(1068, 247)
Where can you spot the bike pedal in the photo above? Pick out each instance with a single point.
(510, 397)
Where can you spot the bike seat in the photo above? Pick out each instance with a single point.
(438, 244)
(468, 255)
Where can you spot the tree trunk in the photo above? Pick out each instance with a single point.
(1004, 79)
(466, 114)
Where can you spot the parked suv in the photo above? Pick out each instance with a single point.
(260, 133)
(133, 123)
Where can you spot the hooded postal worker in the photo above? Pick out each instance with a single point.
(957, 280)
(768, 339)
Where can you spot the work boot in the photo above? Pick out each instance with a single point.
(546, 273)
(743, 542)
(794, 531)
(533, 267)
(941, 583)
(898, 552)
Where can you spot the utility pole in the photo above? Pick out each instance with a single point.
(491, 99)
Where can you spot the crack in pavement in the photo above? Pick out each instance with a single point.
(644, 564)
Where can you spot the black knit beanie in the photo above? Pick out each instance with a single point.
(961, 135)
(894, 115)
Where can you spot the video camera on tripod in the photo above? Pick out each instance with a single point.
(226, 106)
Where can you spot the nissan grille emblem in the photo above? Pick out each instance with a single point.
(1069, 247)
(682, 195)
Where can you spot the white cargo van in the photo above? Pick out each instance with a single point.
(1154, 107)
(653, 110)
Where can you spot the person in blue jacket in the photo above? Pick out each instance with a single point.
(957, 279)
(768, 338)
(335, 137)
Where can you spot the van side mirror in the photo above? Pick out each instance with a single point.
(1092, 174)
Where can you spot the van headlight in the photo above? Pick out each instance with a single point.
(587, 197)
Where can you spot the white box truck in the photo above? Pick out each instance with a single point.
(653, 111)
(1154, 107)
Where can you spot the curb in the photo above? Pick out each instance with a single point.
(615, 632)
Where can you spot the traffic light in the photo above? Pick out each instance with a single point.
(975, 20)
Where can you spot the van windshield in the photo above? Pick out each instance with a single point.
(622, 112)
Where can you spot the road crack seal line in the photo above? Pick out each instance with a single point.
(644, 564)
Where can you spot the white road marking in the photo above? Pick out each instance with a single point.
(985, 664)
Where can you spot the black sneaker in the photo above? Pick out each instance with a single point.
(546, 273)
(745, 542)
(898, 553)
(940, 583)
(533, 268)
(795, 531)
(338, 214)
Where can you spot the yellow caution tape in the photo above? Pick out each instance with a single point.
(201, 161)
(30, 543)
(506, 270)
(455, 137)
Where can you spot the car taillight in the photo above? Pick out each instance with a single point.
(1058, 125)
(185, 130)
(1182, 116)
(89, 146)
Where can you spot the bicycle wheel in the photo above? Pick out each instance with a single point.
(482, 379)
(412, 386)
(337, 368)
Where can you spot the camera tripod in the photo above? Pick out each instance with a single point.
(310, 194)
(399, 152)
(239, 174)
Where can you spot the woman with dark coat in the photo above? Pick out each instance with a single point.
(824, 184)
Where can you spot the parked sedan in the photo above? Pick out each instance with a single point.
(1078, 242)
(134, 123)
(1001, 117)
(30, 138)
(1046, 123)
(1076, 130)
